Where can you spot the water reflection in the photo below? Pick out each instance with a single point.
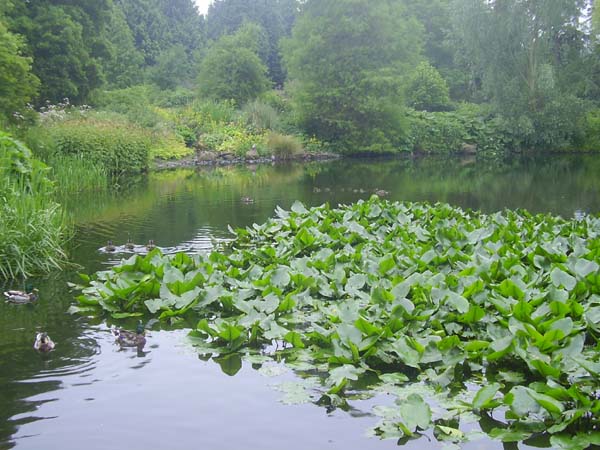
(88, 393)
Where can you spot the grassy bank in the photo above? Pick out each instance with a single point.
(33, 225)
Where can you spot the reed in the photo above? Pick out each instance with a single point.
(33, 225)
(284, 146)
(76, 173)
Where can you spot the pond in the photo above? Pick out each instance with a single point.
(90, 394)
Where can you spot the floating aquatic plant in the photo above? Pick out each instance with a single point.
(458, 314)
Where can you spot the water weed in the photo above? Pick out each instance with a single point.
(434, 305)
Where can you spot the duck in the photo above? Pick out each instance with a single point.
(129, 245)
(150, 245)
(247, 200)
(21, 297)
(43, 343)
(110, 247)
(381, 192)
(129, 338)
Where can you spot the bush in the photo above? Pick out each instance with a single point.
(446, 132)
(283, 146)
(427, 90)
(591, 131)
(118, 146)
(33, 224)
(260, 116)
(435, 132)
(134, 103)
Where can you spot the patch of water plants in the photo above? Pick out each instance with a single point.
(461, 316)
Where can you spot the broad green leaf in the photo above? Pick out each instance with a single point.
(562, 279)
(484, 399)
(415, 412)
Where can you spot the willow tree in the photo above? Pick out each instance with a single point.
(517, 46)
(347, 61)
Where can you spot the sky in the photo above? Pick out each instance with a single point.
(203, 5)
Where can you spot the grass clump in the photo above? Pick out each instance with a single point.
(260, 116)
(33, 225)
(283, 146)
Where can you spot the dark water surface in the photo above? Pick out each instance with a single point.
(89, 394)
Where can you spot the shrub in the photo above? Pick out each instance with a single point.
(591, 131)
(435, 132)
(283, 146)
(33, 224)
(427, 90)
(118, 146)
(260, 116)
(445, 132)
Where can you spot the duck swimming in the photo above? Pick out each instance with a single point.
(110, 247)
(21, 297)
(129, 338)
(43, 343)
(129, 245)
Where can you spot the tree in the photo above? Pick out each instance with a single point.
(123, 66)
(232, 69)
(347, 62)
(513, 44)
(17, 84)
(172, 69)
(66, 42)
(276, 17)
(427, 90)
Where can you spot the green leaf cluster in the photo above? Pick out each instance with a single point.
(467, 311)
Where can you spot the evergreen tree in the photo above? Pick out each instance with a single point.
(123, 66)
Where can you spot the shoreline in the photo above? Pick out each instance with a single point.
(229, 160)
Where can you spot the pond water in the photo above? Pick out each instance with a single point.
(90, 394)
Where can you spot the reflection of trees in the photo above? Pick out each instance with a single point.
(556, 184)
(18, 325)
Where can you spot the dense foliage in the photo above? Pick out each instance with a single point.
(232, 68)
(116, 146)
(492, 312)
(343, 91)
(32, 223)
(351, 67)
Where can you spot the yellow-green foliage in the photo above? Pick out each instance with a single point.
(118, 145)
(238, 140)
(169, 146)
(283, 146)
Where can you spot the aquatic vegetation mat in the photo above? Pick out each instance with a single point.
(461, 316)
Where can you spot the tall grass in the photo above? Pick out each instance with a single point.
(283, 146)
(260, 116)
(33, 225)
(76, 173)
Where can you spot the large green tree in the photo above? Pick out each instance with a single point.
(123, 64)
(521, 48)
(67, 43)
(232, 68)
(17, 84)
(348, 61)
(276, 17)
